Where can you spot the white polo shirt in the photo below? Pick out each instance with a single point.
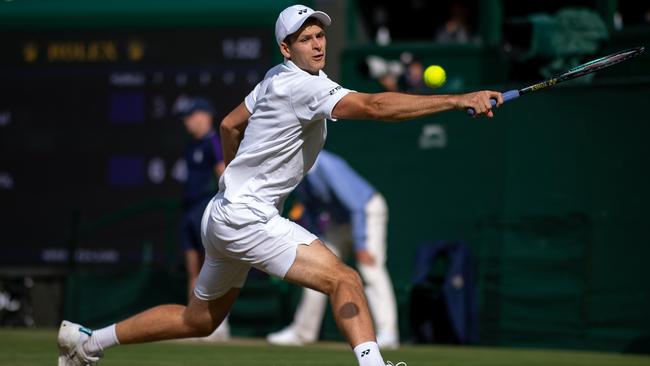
(285, 133)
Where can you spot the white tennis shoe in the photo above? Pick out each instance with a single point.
(388, 363)
(286, 337)
(71, 339)
(387, 341)
(221, 334)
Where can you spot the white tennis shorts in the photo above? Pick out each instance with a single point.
(237, 237)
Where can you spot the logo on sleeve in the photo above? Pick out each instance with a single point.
(302, 11)
(333, 91)
(365, 352)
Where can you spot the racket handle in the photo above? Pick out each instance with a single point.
(509, 95)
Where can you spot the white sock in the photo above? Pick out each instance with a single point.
(368, 354)
(101, 339)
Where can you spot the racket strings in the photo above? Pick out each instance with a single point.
(602, 62)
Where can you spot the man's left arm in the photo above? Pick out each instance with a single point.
(219, 168)
(232, 131)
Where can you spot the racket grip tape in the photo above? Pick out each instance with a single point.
(509, 95)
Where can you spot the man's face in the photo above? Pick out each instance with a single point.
(307, 48)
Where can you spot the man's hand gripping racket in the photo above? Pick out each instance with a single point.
(581, 70)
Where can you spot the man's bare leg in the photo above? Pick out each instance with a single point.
(198, 319)
(79, 345)
(318, 268)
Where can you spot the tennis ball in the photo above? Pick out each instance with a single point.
(434, 76)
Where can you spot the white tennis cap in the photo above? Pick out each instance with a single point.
(292, 18)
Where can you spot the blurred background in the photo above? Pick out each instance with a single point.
(551, 197)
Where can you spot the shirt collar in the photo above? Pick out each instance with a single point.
(292, 66)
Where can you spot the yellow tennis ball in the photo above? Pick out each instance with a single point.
(434, 76)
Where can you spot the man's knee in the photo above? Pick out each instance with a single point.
(200, 321)
(345, 276)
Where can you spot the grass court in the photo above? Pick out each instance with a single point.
(19, 347)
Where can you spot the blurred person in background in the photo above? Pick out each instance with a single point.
(456, 28)
(204, 161)
(403, 75)
(335, 201)
(411, 80)
(386, 72)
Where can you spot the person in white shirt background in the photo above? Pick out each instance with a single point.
(270, 142)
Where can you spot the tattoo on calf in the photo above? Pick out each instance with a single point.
(348, 310)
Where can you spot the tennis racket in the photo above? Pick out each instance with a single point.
(581, 70)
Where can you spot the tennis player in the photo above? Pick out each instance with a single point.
(270, 141)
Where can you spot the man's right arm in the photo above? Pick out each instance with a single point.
(232, 131)
(399, 106)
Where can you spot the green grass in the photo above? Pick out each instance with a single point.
(38, 347)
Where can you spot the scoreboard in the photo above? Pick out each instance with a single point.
(91, 165)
